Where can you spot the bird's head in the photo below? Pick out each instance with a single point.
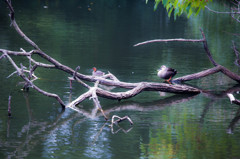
(94, 69)
(162, 68)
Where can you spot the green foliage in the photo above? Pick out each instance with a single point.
(178, 7)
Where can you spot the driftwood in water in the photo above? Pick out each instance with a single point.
(109, 79)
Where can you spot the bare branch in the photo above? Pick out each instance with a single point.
(111, 76)
(235, 12)
(199, 74)
(17, 53)
(205, 45)
(22, 75)
(221, 12)
(14, 23)
(237, 19)
(210, 72)
(169, 40)
(80, 99)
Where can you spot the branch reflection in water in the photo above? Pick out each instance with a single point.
(80, 115)
(33, 129)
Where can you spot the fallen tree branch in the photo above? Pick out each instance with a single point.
(109, 79)
(113, 81)
(149, 86)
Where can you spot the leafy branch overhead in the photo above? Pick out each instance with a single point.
(178, 7)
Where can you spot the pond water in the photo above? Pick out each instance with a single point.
(90, 33)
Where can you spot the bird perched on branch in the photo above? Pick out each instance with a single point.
(96, 72)
(166, 73)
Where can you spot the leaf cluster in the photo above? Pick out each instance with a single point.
(178, 7)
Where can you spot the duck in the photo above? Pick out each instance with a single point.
(166, 73)
(96, 72)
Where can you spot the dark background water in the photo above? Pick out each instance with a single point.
(102, 34)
